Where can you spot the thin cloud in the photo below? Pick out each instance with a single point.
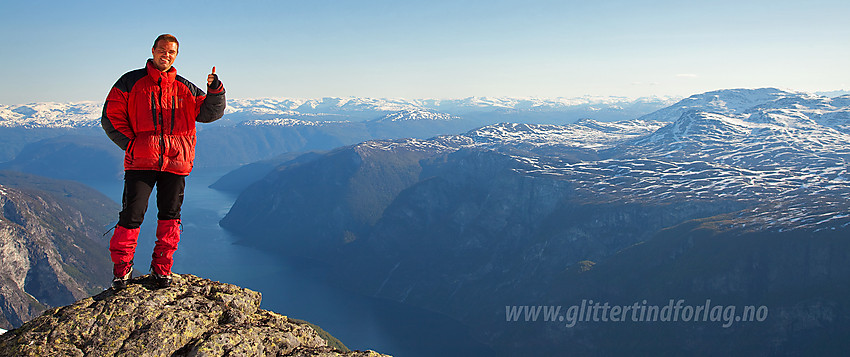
(686, 75)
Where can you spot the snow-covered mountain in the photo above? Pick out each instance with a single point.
(586, 133)
(396, 109)
(726, 101)
(766, 147)
(455, 106)
(507, 104)
(51, 115)
(290, 122)
(416, 115)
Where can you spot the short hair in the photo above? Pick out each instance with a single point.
(166, 37)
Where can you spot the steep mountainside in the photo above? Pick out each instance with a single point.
(467, 224)
(51, 244)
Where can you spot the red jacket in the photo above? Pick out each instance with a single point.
(151, 115)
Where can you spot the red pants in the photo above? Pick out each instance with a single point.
(138, 185)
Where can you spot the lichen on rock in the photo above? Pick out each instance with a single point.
(194, 317)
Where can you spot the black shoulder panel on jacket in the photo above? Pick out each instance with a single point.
(129, 79)
(197, 92)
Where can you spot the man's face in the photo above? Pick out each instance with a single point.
(164, 55)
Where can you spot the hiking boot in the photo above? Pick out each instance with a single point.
(120, 282)
(162, 281)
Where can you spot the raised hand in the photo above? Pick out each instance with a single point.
(211, 77)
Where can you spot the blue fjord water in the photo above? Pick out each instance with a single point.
(294, 288)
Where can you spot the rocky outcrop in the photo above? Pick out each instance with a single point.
(194, 317)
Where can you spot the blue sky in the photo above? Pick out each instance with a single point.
(71, 51)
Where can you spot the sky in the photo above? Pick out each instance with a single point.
(75, 50)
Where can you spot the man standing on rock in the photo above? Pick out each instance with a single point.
(150, 113)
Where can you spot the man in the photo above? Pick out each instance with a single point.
(150, 113)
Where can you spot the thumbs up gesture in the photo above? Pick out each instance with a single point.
(211, 77)
(213, 84)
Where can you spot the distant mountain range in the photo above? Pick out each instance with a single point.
(757, 142)
(82, 114)
(735, 195)
(549, 110)
(260, 129)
